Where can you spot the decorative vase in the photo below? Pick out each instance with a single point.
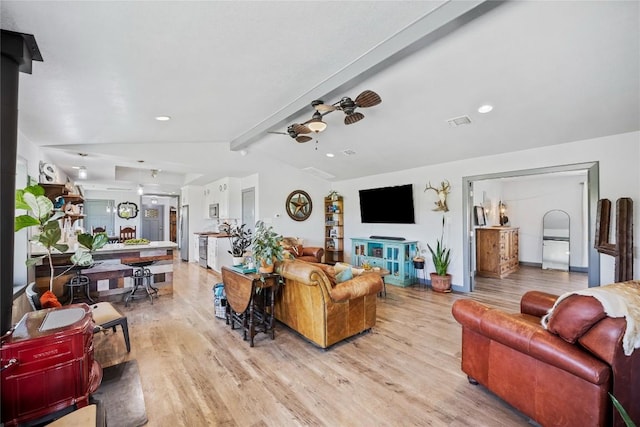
(238, 260)
(440, 283)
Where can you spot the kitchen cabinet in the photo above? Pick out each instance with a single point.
(208, 196)
(218, 253)
(496, 251)
(393, 255)
(227, 193)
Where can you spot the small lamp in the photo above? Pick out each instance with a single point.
(502, 208)
(82, 172)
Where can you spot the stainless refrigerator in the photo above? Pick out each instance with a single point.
(184, 233)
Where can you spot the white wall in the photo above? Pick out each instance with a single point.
(271, 194)
(619, 177)
(118, 197)
(528, 200)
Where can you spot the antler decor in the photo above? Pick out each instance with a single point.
(442, 192)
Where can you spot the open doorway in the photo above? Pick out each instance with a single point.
(471, 200)
(157, 221)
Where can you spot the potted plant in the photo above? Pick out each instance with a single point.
(240, 240)
(441, 257)
(41, 214)
(266, 247)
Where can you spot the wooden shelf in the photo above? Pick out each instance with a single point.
(333, 230)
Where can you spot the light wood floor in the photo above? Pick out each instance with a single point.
(196, 371)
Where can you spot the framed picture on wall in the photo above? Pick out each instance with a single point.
(480, 218)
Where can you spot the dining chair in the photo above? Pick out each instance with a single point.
(96, 230)
(127, 233)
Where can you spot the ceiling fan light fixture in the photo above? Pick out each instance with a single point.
(316, 124)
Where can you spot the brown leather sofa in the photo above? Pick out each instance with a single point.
(560, 376)
(301, 252)
(325, 313)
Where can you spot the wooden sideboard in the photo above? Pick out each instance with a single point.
(496, 251)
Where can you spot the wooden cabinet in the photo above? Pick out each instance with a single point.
(333, 230)
(496, 251)
(393, 255)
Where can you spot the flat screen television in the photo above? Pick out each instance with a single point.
(387, 205)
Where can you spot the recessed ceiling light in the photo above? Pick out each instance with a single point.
(485, 108)
(330, 155)
(163, 118)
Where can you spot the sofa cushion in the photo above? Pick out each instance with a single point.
(344, 275)
(573, 316)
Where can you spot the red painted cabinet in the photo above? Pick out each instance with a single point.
(50, 365)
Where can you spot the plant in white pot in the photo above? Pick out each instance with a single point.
(266, 247)
(41, 214)
(240, 240)
(441, 257)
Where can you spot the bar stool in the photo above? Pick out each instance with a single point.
(79, 282)
(141, 277)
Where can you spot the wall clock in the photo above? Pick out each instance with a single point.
(298, 205)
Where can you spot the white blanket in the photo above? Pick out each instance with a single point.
(618, 300)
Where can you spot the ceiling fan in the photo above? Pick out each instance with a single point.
(299, 132)
(366, 99)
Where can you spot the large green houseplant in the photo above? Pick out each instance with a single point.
(41, 215)
(441, 257)
(266, 247)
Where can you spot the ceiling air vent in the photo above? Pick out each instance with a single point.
(348, 152)
(319, 173)
(459, 121)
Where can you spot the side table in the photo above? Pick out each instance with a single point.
(382, 272)
(251, 301)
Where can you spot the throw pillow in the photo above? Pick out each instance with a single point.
(344, 275)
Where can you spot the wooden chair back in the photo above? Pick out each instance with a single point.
(127, 233)
(96, 230)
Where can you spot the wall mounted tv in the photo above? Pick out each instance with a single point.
(387, 205)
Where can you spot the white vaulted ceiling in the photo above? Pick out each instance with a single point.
(229, 72)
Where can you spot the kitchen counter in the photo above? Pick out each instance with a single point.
(111, 276)
(211, 234)
(37, 250)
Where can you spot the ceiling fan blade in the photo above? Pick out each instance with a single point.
(303, 138)
(298, 128)
(325, 108)
(278, 133)
(368, 98)
(352, 118)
